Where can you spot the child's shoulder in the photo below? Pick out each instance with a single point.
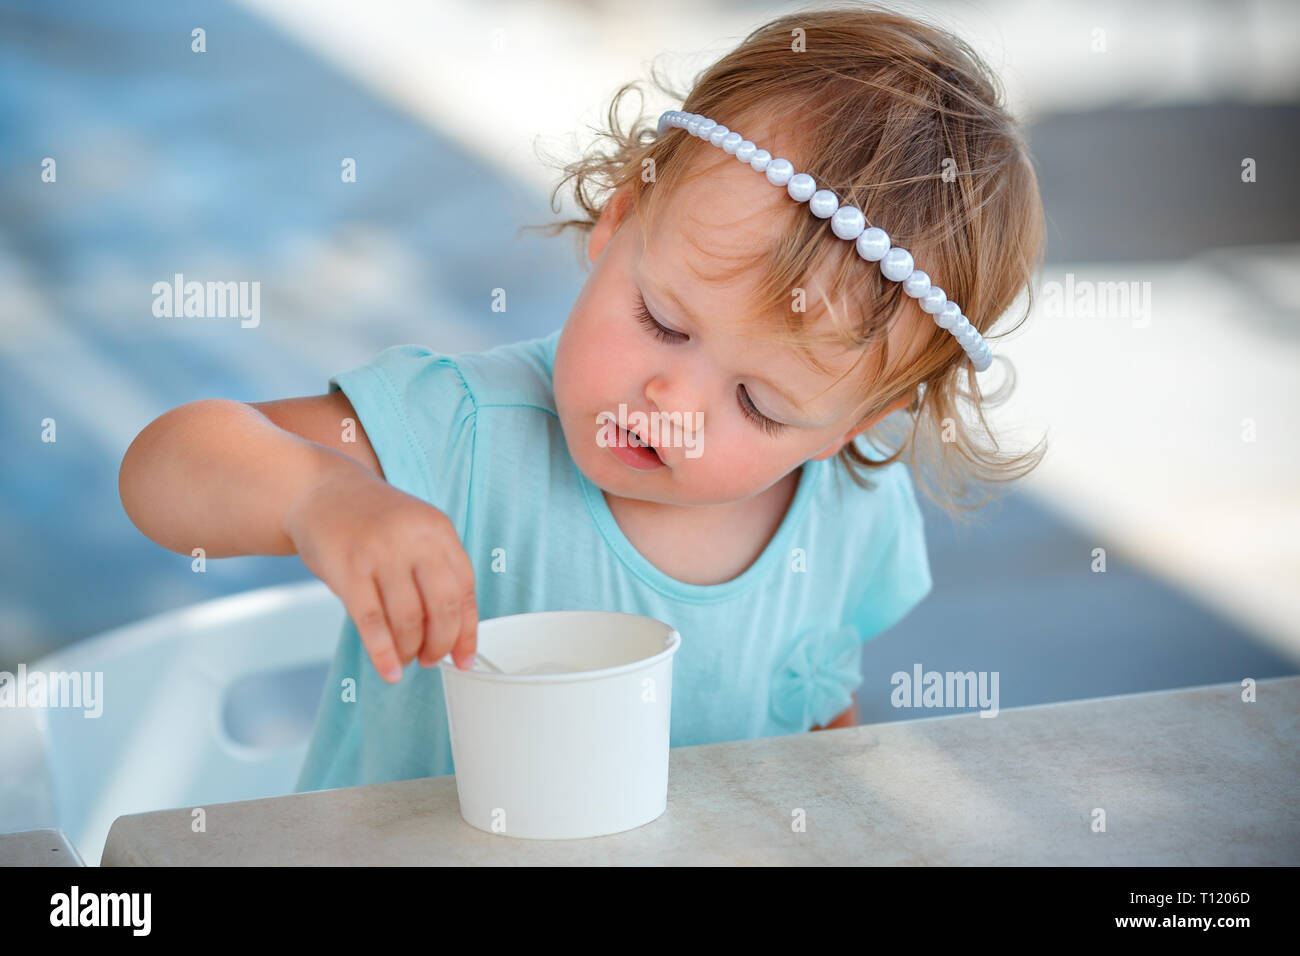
(514, 373)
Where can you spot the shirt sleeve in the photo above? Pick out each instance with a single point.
(900, 575)
(418, 415)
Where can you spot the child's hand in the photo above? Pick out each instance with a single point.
(397, 564)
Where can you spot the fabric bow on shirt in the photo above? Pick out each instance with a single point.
(816, 681)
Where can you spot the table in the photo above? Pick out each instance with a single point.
(1184, 777)
(48, 847)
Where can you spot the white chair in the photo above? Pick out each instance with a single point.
(208, 704)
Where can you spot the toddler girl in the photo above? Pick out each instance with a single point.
(699, 442)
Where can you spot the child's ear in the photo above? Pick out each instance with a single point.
(615, 210)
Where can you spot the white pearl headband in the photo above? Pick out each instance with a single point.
(847, 222)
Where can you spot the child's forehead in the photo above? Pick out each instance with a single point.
(713, 233)
(725, 209)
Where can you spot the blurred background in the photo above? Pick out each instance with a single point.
(1165, 137)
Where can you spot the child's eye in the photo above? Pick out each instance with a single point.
(755, 416)
(668, 335)
(657, 330)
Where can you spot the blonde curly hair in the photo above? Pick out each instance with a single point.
(904, 121)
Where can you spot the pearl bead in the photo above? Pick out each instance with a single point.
(897, 264)
(745, 151)
(707, 126)
(693, 124)
(760, 161)
(823, 205)
(947, 315)
(731, 141)
(779, 171)
(847, 222)
(933, 300)
(961, 325)
(981, 362)
(917, 284)
(801, 187)
(716, 135)
(873, 244)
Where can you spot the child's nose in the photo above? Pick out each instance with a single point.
(673, 393)
(668, 393)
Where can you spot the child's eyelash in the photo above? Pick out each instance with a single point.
(668, 335)
(757, 417)
(648, 320)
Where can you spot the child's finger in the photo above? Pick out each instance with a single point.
(467, 634)
(427, 571)
(403, 607)
(467, 640)
(367, 613)
(442, 600)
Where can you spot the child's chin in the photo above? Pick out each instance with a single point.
(611, 475)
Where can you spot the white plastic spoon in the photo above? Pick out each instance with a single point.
(479, 658)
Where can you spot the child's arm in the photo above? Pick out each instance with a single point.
(221, 475)
(847, 719)
(278, 478)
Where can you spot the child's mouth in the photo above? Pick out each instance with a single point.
(632, 453)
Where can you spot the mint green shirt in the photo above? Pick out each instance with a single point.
(773, 651)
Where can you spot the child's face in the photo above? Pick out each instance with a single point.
(710, 372)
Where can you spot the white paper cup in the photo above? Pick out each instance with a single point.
(579, 753)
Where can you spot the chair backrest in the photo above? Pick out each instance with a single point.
(208, 704)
